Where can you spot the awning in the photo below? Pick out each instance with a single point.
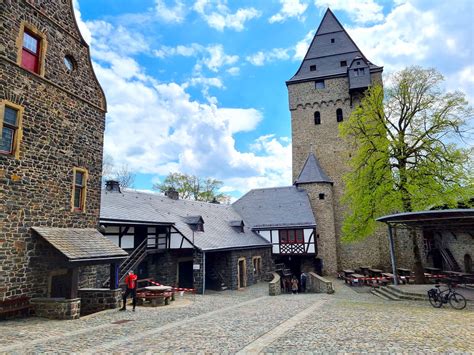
(434, 220)
(82, 244)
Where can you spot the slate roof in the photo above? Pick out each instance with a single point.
(77, 244)
(276, 207)
(327, 56)
(217, 234)
(312, 172)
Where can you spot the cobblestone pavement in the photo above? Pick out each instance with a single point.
(249, 321)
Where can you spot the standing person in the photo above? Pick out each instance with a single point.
(303, 281)
(294, 285)
(131, 282)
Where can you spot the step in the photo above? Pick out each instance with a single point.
(377, 293)
(407, 295)
(390, 295)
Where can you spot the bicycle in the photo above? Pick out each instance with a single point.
(438, 297)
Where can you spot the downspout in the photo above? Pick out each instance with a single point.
(203, 272)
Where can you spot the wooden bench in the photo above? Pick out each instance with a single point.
(15, 305)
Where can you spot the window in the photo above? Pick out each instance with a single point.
(30, 55)
(333, 40)
(200, 227)
(317, 118)
(343, 63)
(339, 116)
(359, 72)
(10, 124)
(312, 68)
(291, 236)
(79, 190)
(69, 63)
(319, 84)
(257, 265)
(321, 196)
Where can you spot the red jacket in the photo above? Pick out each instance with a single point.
(130, 281)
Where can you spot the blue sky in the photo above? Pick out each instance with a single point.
(199, 86)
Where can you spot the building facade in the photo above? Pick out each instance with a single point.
(328, 85)
(52, 117)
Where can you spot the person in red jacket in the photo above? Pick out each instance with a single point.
(131, 282)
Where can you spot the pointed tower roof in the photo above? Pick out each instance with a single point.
(329, 53)
(312, 172)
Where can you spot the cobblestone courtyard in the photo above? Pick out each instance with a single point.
(249, 321)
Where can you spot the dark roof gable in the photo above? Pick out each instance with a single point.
(312, 172)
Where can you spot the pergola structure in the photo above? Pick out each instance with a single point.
(436, 220)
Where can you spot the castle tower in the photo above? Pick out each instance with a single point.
(322, 94)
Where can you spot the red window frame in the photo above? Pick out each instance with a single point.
(291, 236)
(30, 59)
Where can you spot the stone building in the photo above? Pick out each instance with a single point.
(327, 86)
(52, 116)
(183, 243)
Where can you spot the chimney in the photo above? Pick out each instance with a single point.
(112, 186)
(214, 200)
(172, 194)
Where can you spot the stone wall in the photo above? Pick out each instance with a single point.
(56, 308)
(318, 284)
(274, 286)
(459, 243)
(62, 128)
(333, 154)
(267, 265)
(92, 276)
(98, 299)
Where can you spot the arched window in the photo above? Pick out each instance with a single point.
(339, 115)
(317, 118)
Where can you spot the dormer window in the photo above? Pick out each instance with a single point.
(196, 223)
(312, 68)
(200, 227)
(319, 84)
(333, 40)
(237, 225)
(343, 63)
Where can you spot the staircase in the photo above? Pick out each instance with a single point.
(132, 261)
(449, 259)
(217, 280)
(392, 293)
(283, 270)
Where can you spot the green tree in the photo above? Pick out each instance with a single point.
(406, 155)
(191, 187)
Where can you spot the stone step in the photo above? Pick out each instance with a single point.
(406, 295)
(391, 296)
(376, 292)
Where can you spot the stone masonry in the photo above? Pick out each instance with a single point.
(62, 128)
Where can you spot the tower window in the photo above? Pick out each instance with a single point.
(319, 84)
(339, 116)
(312, 67)
(317, 118)
(333, 40)
(343, 63)
(30, 56)
(321, 196)
(10, 128)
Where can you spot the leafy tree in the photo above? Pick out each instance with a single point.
(405, 153)
(191, 187)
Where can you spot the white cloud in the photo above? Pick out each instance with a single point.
(233, 71)
(260, 58)
(360, 11)
(290, 8)
(218, 15)
(463, 80)
(171, 14)
(86, 33)
(302, 46)
(212, 56)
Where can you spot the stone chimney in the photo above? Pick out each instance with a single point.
(172, 194)
(112, 186)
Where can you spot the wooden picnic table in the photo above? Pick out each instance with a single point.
(157, 295)
(432, 270)
(353, 277)
(375, 272)
(404, 272)
(348, 272)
